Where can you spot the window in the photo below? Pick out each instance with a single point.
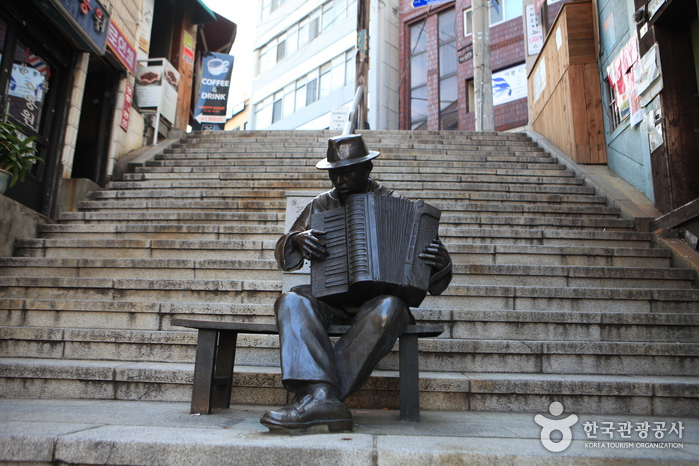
(289, 97)
(350, 68)
(325, 79)
(418, 76)
(614, 112)
(508, 9)
(277, 107)
(468, 22)
(338, 72)
(263, 113)
(311, 91)
(448, 89)
(281, 51)
(303, 33)
(470, 96)
(328, 15)
(301, 93)
(314, 29)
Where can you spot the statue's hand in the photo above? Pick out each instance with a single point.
(436, 255)
(308, 244)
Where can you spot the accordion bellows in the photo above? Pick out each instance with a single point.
(373, 245)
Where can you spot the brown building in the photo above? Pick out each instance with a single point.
(436, 66)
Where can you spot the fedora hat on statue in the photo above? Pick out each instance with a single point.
(346, 150)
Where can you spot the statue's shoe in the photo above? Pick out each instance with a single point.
(310, 411)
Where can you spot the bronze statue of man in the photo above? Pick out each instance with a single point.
(320, 376)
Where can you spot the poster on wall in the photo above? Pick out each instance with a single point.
(510, 85)
(212, 102)
(622, 83)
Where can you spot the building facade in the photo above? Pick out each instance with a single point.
(69, 76)
(436, 65)
(306, 54)
(649, 69)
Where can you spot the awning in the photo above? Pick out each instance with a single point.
(217, 36)
(202, 13)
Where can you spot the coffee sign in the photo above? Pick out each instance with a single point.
(212, 102)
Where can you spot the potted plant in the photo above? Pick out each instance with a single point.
(16, 156)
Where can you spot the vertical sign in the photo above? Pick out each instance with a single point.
(145, 29)
(212, 102)
(535, 39)
(126, 108)
(121, 47)
(188, 46)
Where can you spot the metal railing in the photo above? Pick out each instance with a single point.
(351, 124)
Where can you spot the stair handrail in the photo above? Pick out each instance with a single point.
(350, 126)
(677, 217)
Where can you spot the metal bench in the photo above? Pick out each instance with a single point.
(216, 342)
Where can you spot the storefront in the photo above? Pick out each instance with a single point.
(40, 44)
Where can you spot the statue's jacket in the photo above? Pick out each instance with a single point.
(290, 259)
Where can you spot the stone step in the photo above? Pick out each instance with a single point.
(227, 181)
(189, 269)
(147, 249)
(135, 289)
(127, 315)
(559, 255)
(163, 231)
(385, 176)
(458, 244)
(415, 167)
(524, 325)
(576, 277)
(436, 355)
(305, 147)
(572, 299)
(412, 161)
(445, 205)
(272, 232)
(163, 218)
(474, 253)
(170, 269)
(604, 394)
(460, 191)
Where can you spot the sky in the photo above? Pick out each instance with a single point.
(245, 14)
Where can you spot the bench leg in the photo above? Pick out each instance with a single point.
(223, 371)
(204, 372)
(409, 373)
(213, 371)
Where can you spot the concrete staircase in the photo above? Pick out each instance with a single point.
(555, 297)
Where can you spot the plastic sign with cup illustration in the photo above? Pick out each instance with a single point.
(212, 101)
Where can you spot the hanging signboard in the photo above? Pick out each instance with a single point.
(156, 87)
(212, 101)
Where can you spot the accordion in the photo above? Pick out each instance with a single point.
(373, 246)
